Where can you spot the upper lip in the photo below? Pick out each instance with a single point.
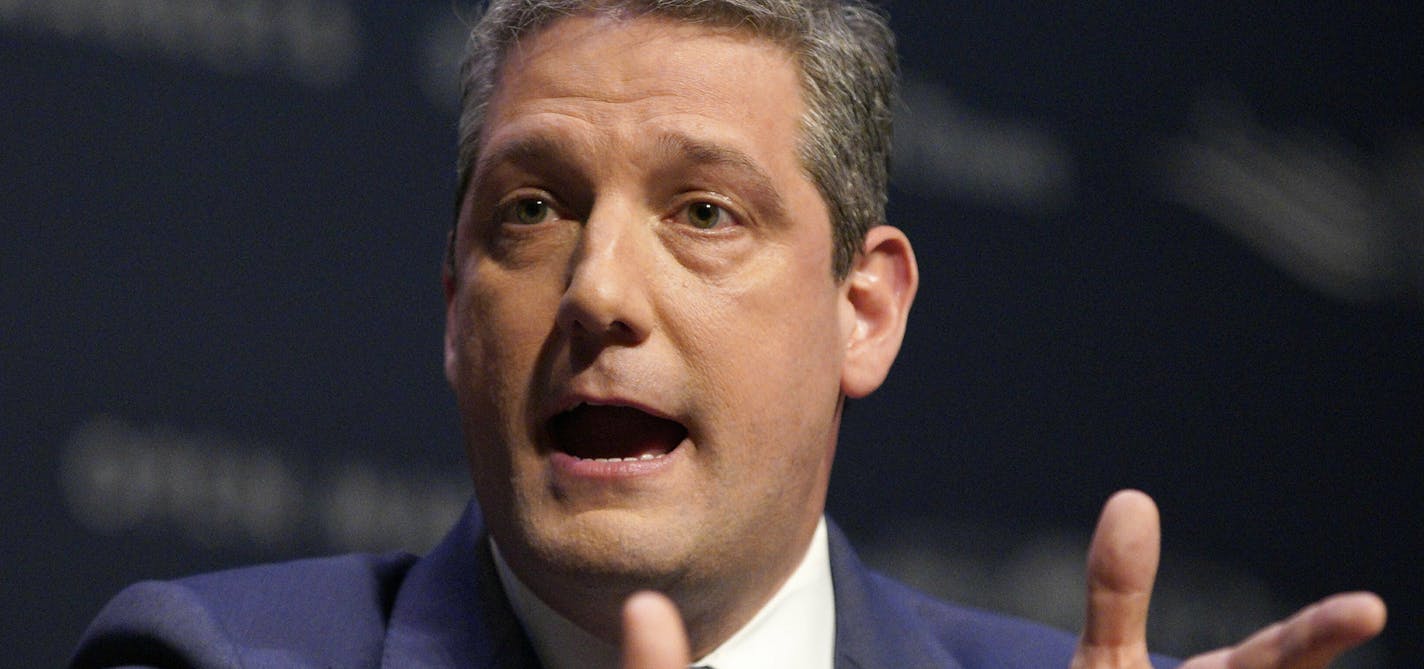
(572, 400)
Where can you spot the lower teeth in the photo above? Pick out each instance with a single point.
(645, 456)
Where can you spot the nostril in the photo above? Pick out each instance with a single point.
(578, 322)
(622, 330)
(615, 332)
(607, 321)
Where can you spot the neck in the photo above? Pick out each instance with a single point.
(713, 607)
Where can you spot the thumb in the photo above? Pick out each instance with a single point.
(1122, 564)
(653, 636)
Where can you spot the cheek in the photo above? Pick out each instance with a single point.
(776, 387)
(770, 351)
(502, 331)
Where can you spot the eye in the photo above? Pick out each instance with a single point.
(526, 211)
(705, 215)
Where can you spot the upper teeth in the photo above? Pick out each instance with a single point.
(645, 456)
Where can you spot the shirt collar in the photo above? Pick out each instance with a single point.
(795, 628)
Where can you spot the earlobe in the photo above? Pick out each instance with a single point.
(450, 335)
(880, 288)
(447, 284)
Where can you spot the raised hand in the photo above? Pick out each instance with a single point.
(1122, 563)
(653, 636)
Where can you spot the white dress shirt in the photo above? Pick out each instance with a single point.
(795, 629)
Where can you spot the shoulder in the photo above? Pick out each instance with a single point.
(978, 638)
(884, 623)
(286, 614)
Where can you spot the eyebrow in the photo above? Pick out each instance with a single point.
(522, 150)
(753, 180)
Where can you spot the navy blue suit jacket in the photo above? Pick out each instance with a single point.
(448, 610)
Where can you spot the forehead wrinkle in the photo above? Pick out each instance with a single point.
(548, 151)
(521, 150)
(759, 185)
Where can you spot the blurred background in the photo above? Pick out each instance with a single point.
(1171, 246)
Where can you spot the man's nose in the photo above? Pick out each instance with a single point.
(606, 299)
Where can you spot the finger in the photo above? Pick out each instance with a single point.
(653, 636)
(1310, 639)
(1122, 565)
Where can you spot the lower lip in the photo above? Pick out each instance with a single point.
(579, 468)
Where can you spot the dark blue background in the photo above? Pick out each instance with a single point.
(237, 262)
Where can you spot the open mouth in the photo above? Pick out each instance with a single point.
(614, 433)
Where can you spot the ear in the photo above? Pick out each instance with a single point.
(448, 283)
(878, 292)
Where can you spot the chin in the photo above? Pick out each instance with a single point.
(616, 544)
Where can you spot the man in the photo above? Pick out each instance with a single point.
(669, 270)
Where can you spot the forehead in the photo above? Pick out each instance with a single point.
(663, 42)
(607, 69)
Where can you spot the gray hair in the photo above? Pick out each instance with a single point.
(846, 53)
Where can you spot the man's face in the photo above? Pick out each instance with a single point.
(643, 332)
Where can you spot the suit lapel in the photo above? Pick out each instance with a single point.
(452, 612)
(873, 629)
